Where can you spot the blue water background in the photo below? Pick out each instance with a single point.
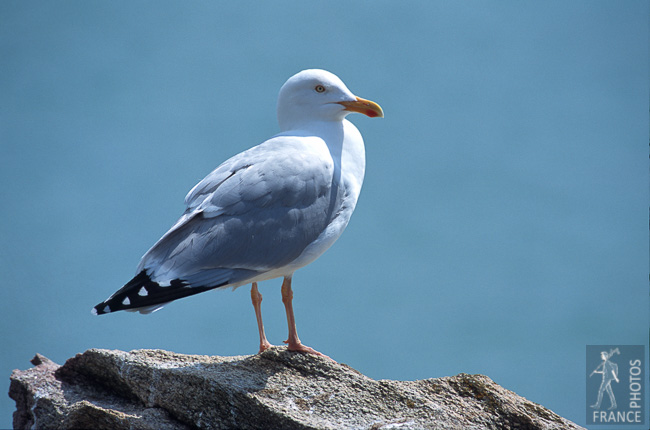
(503, 222)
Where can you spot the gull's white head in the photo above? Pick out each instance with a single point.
(318, 95)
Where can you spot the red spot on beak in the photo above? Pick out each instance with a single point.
(364, 106)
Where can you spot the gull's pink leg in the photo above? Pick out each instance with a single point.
(293, 342)
(256, 297)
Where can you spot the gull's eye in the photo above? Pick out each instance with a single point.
(319, 89)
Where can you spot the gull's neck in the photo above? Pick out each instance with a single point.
(331, 132)
(344, 143)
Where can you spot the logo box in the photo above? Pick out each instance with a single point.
(615, 385)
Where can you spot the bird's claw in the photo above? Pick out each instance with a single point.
(264, 346)
(299, 347)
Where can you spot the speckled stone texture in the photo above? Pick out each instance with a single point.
(154, 389)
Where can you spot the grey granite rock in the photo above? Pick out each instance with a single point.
(154, 389)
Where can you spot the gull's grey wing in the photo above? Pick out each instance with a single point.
(256, 212)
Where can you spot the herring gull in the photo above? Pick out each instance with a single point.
(265, 212)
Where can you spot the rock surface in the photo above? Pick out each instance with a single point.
(154, 389)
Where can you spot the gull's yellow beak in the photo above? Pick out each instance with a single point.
(364, 106)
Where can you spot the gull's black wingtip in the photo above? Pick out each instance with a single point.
(145, 296)
(101, 309)
(133, 295)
